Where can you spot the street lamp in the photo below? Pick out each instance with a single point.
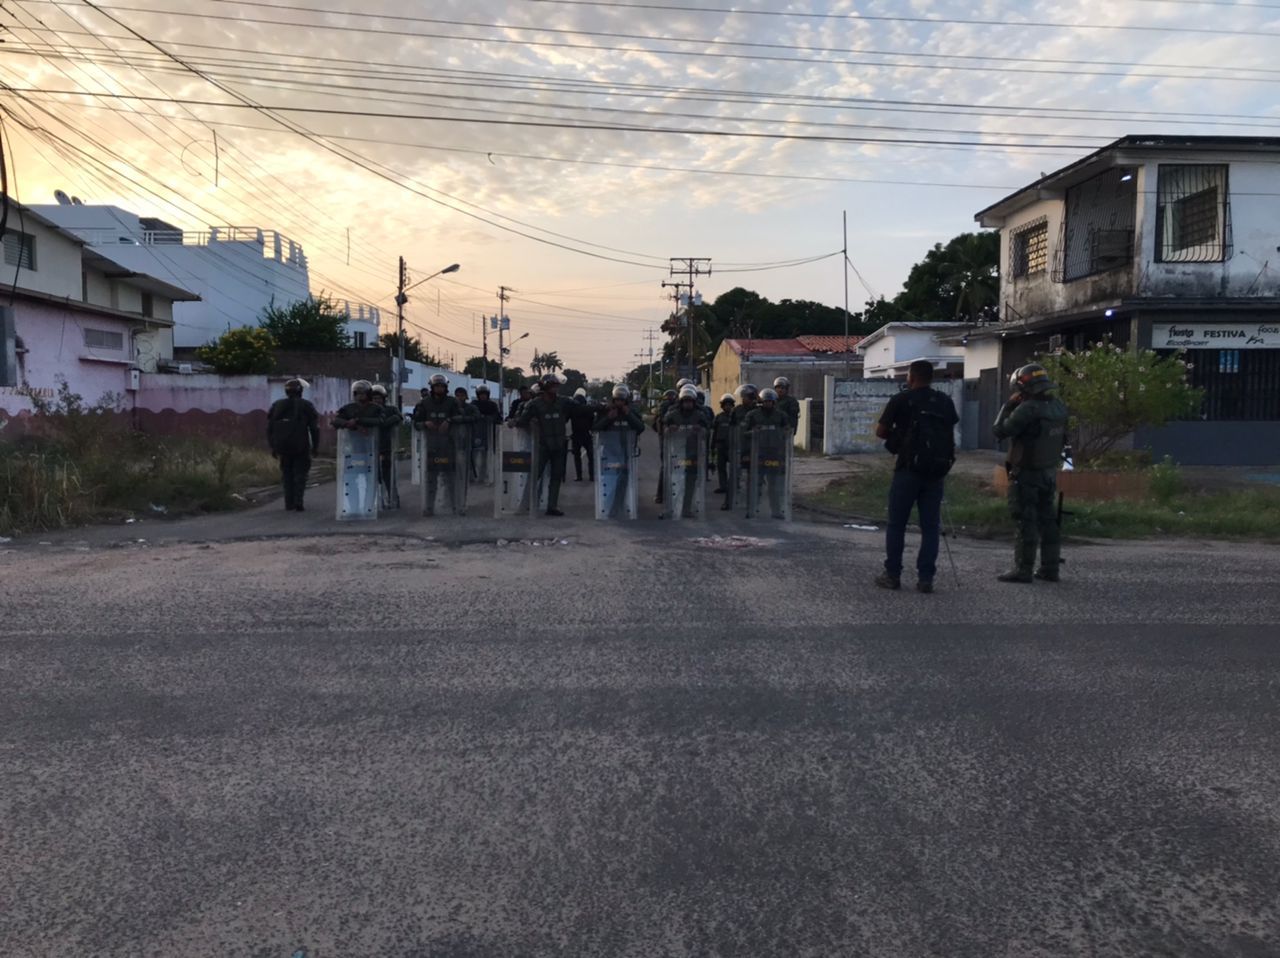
(401, 299)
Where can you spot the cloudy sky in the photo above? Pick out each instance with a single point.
(567, 149)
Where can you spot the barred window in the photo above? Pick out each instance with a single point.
(20, 250)
(1098, 226)
(103, 339)
(1192, 214)
(1029, 251)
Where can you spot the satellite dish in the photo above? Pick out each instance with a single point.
(76, 201)
(62, 198)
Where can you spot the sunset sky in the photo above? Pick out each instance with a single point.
(612, 135)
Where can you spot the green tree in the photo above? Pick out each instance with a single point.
(1112, 391)
(313, 323)
(414, 350)
(958, 281)
(242, 351)
(573, 381)
(475, 368)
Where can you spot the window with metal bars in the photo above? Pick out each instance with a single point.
(1192, 214)
(1029, 249)
(20, 250)
(1238, 384)
(1098, 226)
(103, 339)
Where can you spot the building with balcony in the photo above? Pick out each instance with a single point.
(237, 271)
(1162, 242)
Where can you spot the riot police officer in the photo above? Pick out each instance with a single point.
(1035, 421)
(294, 435)
(391, 420)
(788, 403)
(433, 416)
(659, 425)
(360, 413)
(551, 413)
(720, 440)
(582, 414)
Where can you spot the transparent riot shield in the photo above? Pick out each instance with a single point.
(541, 480)
(617, 478)
(439, 489)
(513, 468)
(416, 453)
(357, 474)
(685, 465)
(769, 477)
(389, 471)
(739, 467)
(462, 434)
(482, 440)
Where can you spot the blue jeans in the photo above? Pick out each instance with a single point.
(907, 492)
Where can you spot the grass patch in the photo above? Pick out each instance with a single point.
(46, 483)
(976, 509)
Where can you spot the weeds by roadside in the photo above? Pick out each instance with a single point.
(976, 509)
(81, 463)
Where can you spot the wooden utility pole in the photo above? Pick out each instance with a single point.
(401, 299)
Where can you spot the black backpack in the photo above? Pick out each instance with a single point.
(290, 432)
(929, 447)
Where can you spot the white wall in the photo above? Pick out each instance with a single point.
(980, 354)
(57, 271)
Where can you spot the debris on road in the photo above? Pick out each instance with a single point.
(734, 542)
(854, 525)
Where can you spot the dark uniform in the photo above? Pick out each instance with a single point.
(391, 420)
(1037, 426)
(551, 415)
(582, 415)
(760, 416)
(365, 415)
(630, 419)
(659, 426)
(438, 411)
(293, 431)
(720, 446)
(789, 406)
(469, 419)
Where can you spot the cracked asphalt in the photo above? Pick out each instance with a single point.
(270, 734)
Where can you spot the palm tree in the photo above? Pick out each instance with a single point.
(535, 364)
(971, 273)
(551, 362)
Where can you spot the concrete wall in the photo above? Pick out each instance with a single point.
(853, 407)
(726, 374)
(980, 354)
(57, 271)
(53, 337)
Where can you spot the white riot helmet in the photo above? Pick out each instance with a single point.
(439, 379)
(684, 382)
(379, 390)
(782, 382)
(620, 391)
(727, 398)
(688, 392)
(579, 392)
(361, 386)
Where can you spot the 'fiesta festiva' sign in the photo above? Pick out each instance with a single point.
(1215, 335)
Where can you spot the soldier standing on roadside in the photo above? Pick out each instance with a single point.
(293, 430)
(1035, 420)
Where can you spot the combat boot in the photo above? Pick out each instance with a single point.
(886, 581)
(1016, 575)
(1047, 575)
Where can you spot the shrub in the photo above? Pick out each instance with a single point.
(1112, 391)
(1166, 481)
(239, 352)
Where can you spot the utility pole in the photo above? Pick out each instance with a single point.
(651, 335)
(675, 312)
(401, 299)
(844, 268)
(692, 266)
(502, 356)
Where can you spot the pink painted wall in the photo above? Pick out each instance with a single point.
(54, 340)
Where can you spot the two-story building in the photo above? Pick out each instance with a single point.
(237, 271)
(1162, 242)
(77, 315)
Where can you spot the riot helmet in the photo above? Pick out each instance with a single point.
(669, 395)
(1031, 380)
(361, 387)
(482, 392)
(689, 393)
(684, 382)
(536, 389)
(379, 390)
(782, 382)
(727, 399)
(748, 391)
(620, 391)
(439, 379)
(461, 391)
(294, 387)
(768, 395)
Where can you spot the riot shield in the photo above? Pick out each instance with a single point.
(739, 467)
(482, 440)
(416, 453)
(685, 465)
(513, 468)
(388, 472)
(357, 474)
(439, 489)
(462, 434)
(541, 475)
(769, 477)
(617, 479)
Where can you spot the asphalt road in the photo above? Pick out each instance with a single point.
(269, 734)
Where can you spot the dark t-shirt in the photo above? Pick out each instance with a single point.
(898, 412)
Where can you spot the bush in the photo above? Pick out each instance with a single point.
(312, 323)
(1166, 481)
(239, 352)
(1112, 392)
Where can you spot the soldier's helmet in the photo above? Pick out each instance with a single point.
(782, 382)
(482, 391)
(727, 398)
(748, 391)
(620, 391)
(536, 389)
(682, 383)
(550, 379)
(688, 392)
(579, 393)
(361, 387)
(379, 390)
(295, 386)
(768, 395)
(669, 394)
(439, 379)
(1032, 379)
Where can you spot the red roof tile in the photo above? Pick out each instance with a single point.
(829, 344)
(768, 347)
